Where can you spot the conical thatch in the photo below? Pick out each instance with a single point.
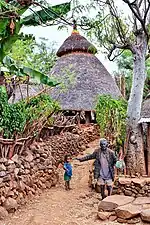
(76, 43)
(90, 78)
(145, 112)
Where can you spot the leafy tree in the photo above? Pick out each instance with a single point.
(111, 117)
(39, 56)
(117, 31)
(12, 20)
(125, 67)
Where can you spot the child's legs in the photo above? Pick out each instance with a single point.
(66, 185)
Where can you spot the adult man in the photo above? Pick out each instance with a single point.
(105, 161)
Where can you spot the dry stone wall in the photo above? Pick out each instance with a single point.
(135, 187)
(126, 210)
(24, 176)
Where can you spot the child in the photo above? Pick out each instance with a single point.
(68, 172)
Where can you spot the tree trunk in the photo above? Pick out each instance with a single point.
(135, 150)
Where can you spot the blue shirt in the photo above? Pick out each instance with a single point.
(68, 168)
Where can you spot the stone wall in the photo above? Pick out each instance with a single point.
(136, 187)
(24, 176)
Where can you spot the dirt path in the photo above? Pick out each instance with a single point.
(58, 207)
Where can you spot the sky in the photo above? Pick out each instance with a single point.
(58, 36)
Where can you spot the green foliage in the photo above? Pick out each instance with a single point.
(38, 56)
(46, 14)
(14, 118)
(10, 26)
(111, 116)
(40, 106)
(125, 67)
(26, 71)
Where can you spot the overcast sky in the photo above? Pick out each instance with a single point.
(53, 35)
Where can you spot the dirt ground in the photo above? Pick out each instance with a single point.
(59, 207)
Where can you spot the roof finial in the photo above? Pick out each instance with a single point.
(74, 24)
(75, 31)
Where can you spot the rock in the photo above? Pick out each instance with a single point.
(142, 200)
(10, 204)
(2, 173)
(133, 221)
(140, 182)
(124, 181)
(2, 199)
(3, 160)
(48, 184)
(128, 193)
(29, 157)
(112, 202)
(10, 162)
(103, 215)
(7, 178)
(89, 202)
(120, 220)
(2, 167)
(145, 215)
(15, 158)
(10, 194)
(128, 211)
(112, 218)
(3, 213)
(16, 171)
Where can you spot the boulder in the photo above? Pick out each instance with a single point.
(139, 181)
(145, 215)
(103, 215)
(128, 211)
(3, 213)
(10, 204)
(142, 200)
(124, 181)
(112, 202)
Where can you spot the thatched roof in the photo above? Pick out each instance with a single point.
(76, 43)
(21, 93)
(90, 77)
(145, 112)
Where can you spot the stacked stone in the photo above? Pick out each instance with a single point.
(71, 143)
(25, 175)
(126, 209)
(136, 187)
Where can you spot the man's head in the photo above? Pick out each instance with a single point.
(103, 144)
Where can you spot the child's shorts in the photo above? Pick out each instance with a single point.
(67, 178)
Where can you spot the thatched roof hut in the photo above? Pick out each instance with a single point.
(145, 112)
(23, 91)
(90, 78)
(145, 118)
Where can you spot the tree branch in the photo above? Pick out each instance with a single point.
(117, 46)
(137, 14)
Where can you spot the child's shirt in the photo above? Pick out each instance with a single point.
(68, 169)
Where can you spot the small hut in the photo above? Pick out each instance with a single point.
(90, 77)
(145, 119)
